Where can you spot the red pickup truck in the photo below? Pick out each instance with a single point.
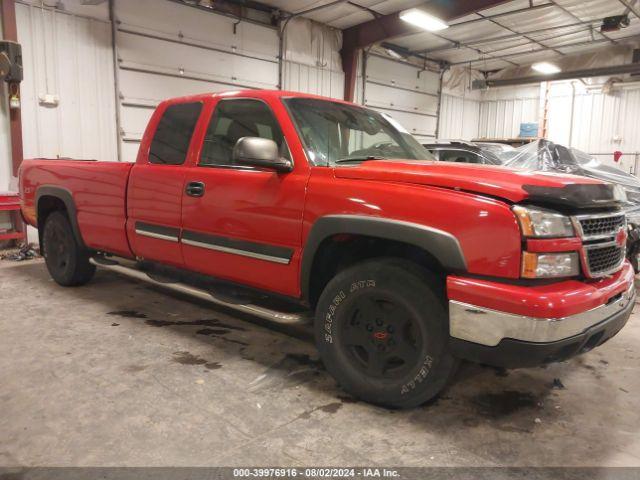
(299, 208)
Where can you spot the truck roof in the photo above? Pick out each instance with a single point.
(250, 94)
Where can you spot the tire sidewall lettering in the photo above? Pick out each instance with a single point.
(419, 377)
(339, 298)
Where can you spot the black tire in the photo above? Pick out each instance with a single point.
(67, 262)
(382, 331)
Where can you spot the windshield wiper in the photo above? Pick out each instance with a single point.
(360, 159)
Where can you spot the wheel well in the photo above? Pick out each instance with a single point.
(343, 250)
(47, 204)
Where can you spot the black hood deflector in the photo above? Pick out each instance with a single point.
(577, 196)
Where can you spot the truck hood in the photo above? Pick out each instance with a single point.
(505, 183)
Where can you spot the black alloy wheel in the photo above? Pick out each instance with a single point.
(381, 336)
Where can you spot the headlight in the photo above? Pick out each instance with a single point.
(550, 265)
(541, 223)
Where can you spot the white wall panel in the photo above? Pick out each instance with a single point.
(587, 119)
(459, 118)
(602, 123)
(159, 58)
(406, 92)
(502, 118)
(183, 23)
(312, 59)
(69, 56)
(417, 125)
(400, 74)
(6, 164)
(316, 80)
(156, 54)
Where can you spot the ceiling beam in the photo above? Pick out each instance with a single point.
(503, 38)
(387, 26)
(501, 25)
(505, 14)
(630, 7)
(538, 50)
(592, 72)
(575, 17)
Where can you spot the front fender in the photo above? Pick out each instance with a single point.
(442, 245)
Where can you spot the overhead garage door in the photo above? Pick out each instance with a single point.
(159, 57)
(404, 91)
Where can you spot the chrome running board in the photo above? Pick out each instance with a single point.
(258, 311)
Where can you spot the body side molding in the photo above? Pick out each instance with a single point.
(443, 245)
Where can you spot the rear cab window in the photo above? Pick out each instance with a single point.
(172, 137)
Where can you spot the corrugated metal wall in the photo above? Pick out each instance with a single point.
(5, 138)
(299, 77)
(587, 119)
(312, 61)
(69, 56)
(601, 123)
(459, 118)
(5, 142)
(502, 110)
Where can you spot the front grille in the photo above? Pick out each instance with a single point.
(603, 250)
(604, 259)
(601, 226)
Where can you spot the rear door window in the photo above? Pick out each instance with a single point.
(171, 140)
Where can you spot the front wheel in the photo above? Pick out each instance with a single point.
(381, 329)
(67, 262)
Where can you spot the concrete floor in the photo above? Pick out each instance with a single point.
(118, 373)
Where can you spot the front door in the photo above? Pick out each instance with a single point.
(243, 223)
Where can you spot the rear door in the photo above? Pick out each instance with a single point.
(244, 224)
(154, 196)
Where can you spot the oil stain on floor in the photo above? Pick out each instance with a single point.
(187, 358)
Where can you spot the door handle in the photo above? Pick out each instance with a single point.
(195, 189)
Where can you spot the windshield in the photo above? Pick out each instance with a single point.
(335, 133)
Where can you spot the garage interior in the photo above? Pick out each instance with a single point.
(120, 373)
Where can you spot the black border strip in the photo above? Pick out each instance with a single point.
(170, 234)
(260, 251)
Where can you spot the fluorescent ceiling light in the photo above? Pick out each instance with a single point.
(545, 68)
(422, 19)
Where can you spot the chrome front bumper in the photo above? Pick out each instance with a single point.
(489, 327)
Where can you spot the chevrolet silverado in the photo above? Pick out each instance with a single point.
(297, 208)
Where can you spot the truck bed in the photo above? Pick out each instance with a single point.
(98, 190)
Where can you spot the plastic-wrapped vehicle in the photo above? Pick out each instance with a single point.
(547, 156)
(494, 147)
(462, 152)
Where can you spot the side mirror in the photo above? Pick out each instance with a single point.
(260, 152)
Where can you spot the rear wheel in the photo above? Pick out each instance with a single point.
(67, 262)
(381, 329)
